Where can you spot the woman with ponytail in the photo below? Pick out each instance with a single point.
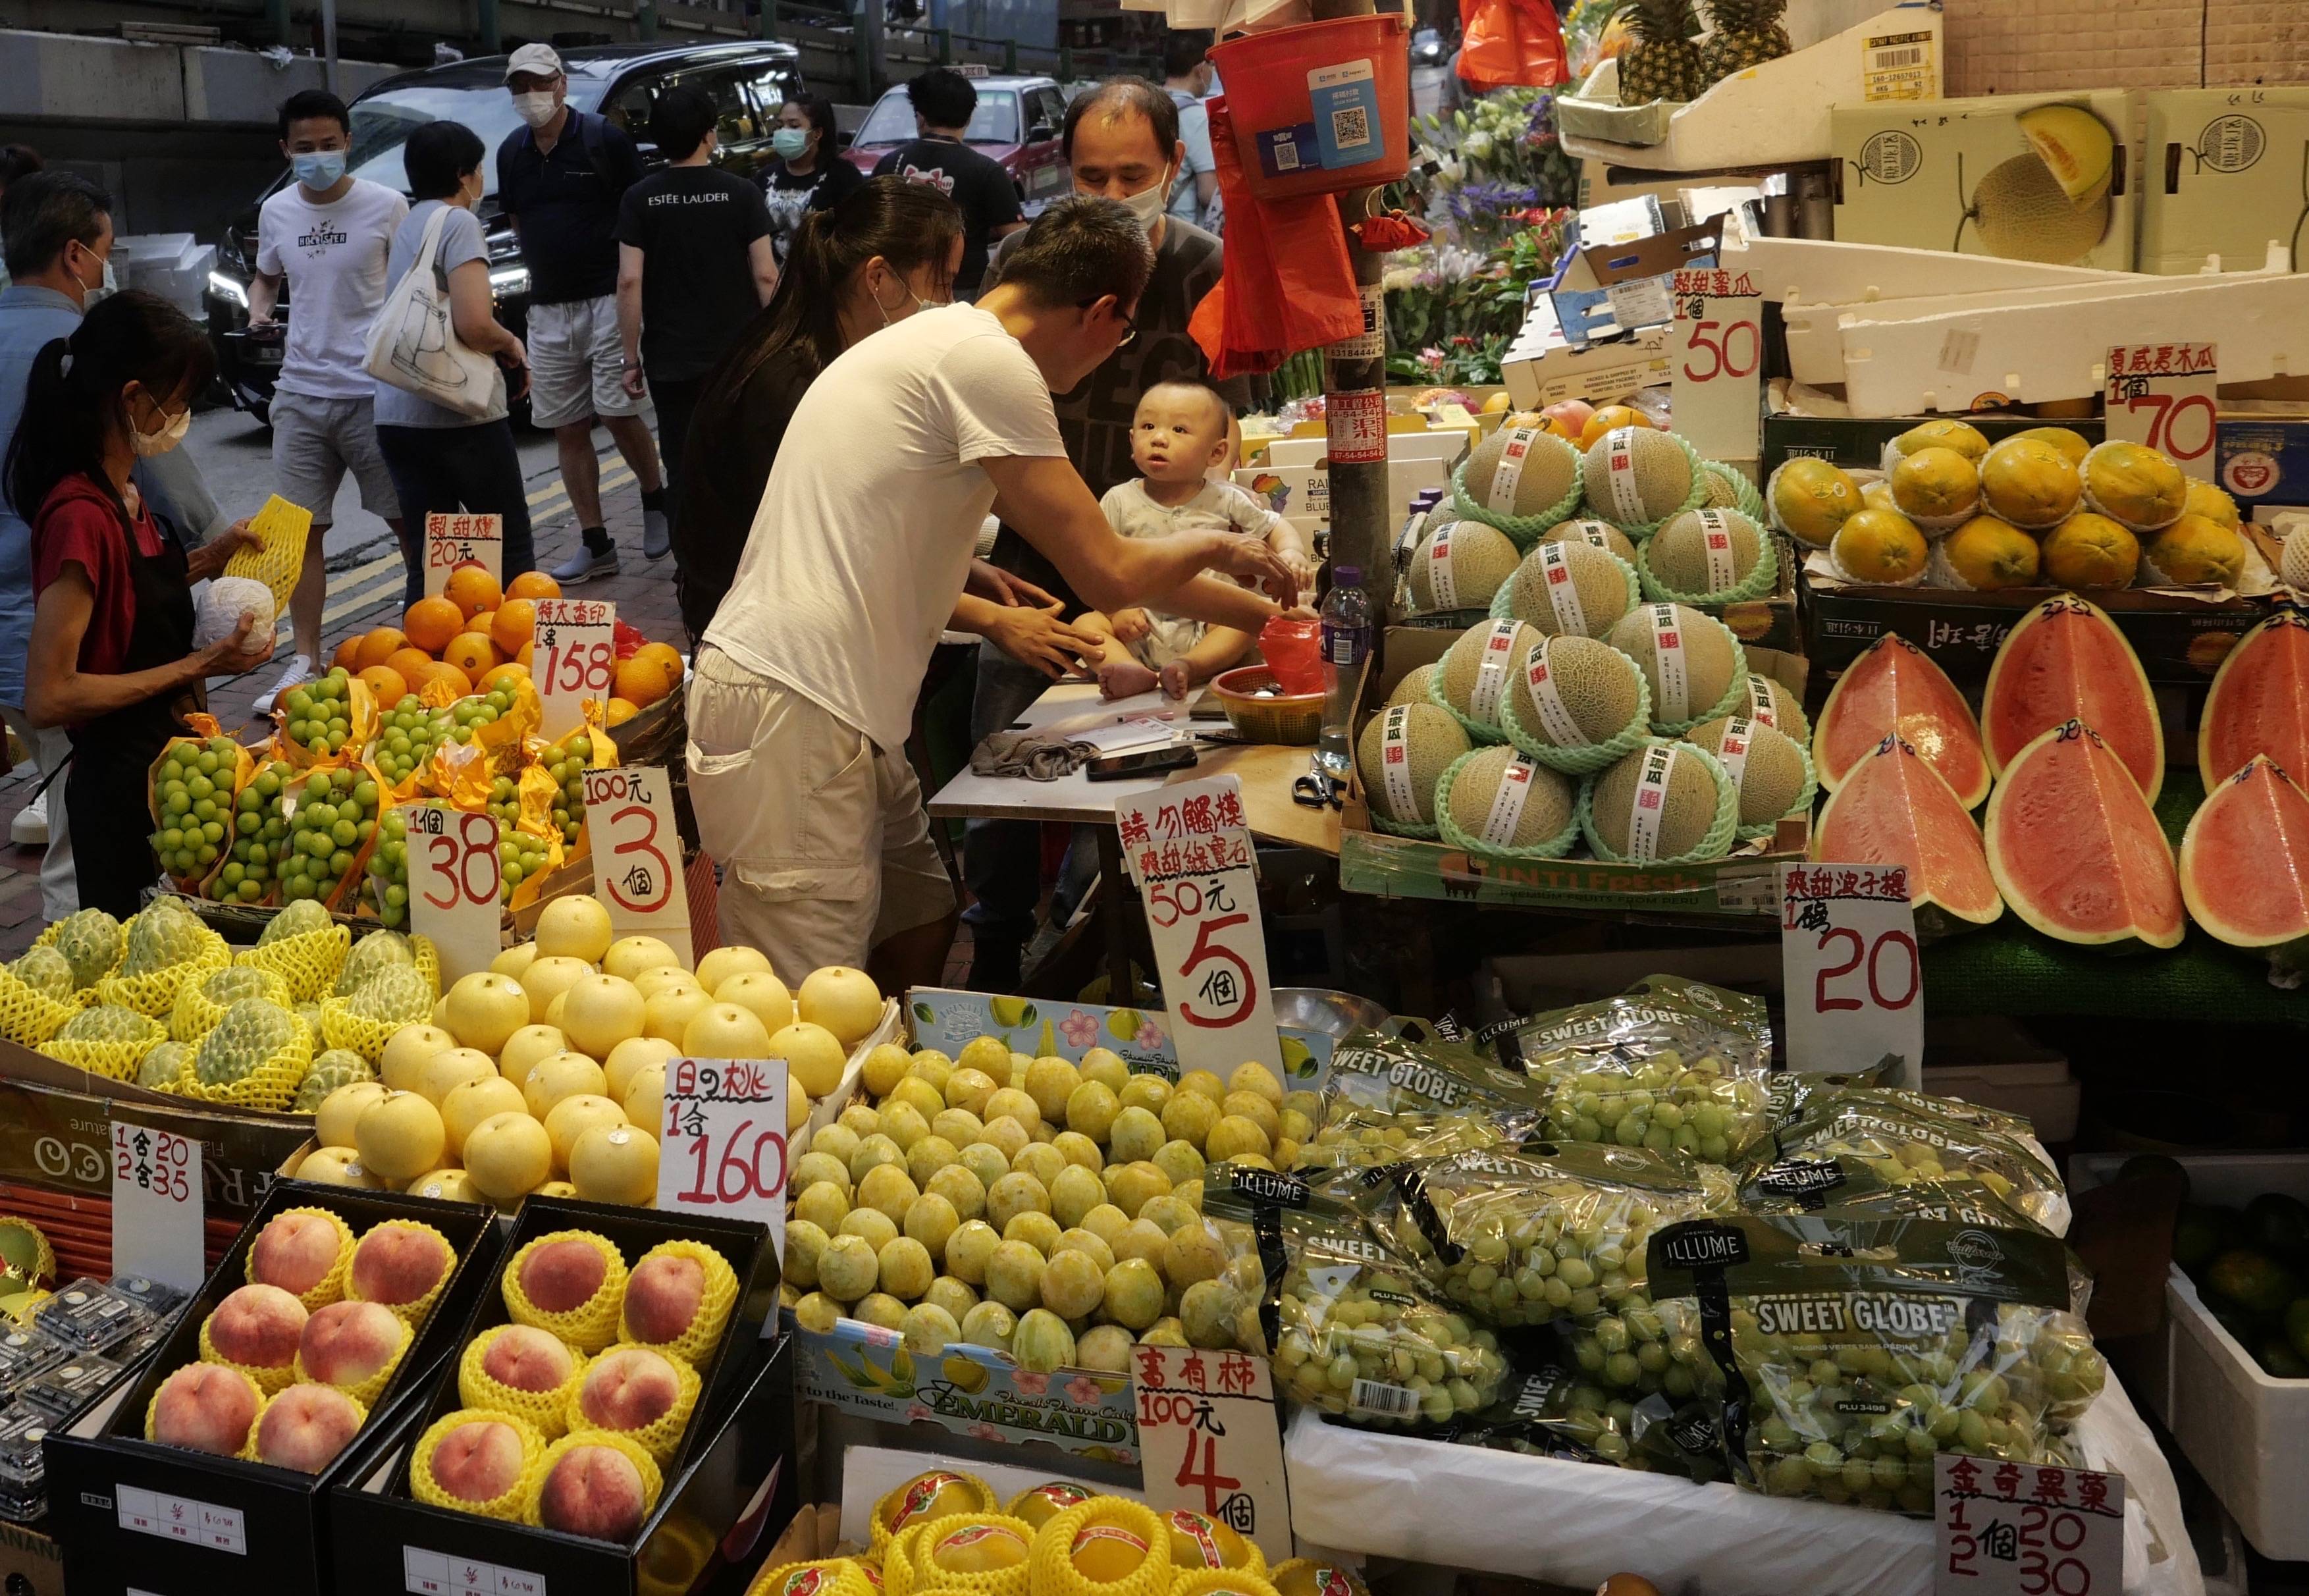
(112, 657)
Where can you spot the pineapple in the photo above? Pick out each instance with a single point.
(1748, 33)
(1660, 62)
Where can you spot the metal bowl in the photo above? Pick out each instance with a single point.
(1318, 1008)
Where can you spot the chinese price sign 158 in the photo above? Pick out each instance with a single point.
(576, 660)
(455, 880)
(1190, 852)
(1717, 355)
(2162, 395)
(156, 1205)
(723, 1150)
(2008, 1529)
(1209, 1441)
(637, 854)
(1856, 987)
(451, 540)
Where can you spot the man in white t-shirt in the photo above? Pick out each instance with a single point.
(328, 236)
(804, 689)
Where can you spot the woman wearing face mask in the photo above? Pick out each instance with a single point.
(112, 656)
(444, 461)
(811, 174)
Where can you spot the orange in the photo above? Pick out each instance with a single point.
(516, 620)
(432, 622)
(437, 670)
(378, 645)
(409, 662)
(524, 657)
(470, 653)
(346, 652)
(532, 584)
(642, 680)
(482, 623)
(667, 655)
(621, 710)
(503, 675)
(472, 589)
(388, 684)
(1608, 418)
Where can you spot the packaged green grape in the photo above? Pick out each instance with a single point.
(1390, 1096)
(1848, 1144)
(1553, 1411)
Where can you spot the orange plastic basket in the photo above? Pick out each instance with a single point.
(1289, 718)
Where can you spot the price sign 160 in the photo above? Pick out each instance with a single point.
(750, 1164)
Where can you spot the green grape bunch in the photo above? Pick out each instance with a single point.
(320, 713)
(469, 714)
(505, 802)
(568, 770)
(1662, 1104)
(388, 870)
(408, 735)
(335, 812)
(192, 793)
(258, 827)
(520, 856)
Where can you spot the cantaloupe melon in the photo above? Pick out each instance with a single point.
(1475, 674)
(1570, 588)
(1502, 798)
(1776, 707)
(1704, 553)
(2025, 214)
(1766, 769)
(1411, 688)
(1403, 752)
(1575, 693)
(1689, 660)
(1521, 472)
(1459, 565)
(1600, 534)
(1660, 802)
(1634, 476)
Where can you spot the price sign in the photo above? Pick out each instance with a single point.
(1856, 987)
(1715, 357)
(2162, 395)
(1190, 852)
(452, 540)
(156, 1205)
(576, 658)
(637, 854)
(455, 880)
(1209, 1441)
(2009, 1528)
(723, 1150)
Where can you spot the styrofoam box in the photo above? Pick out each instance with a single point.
(2247, 1431)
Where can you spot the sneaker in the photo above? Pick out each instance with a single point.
(29, 828)
(657, 535)
(299, 672)
(584, 565)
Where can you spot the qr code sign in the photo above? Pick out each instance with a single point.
(1350, 127)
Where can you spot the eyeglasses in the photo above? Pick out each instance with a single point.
(1129, 321)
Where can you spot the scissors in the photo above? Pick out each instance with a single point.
(1314, 790)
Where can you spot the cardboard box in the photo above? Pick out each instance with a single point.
(734, 1494)
(1621, 257)
(1856, 443)
(1544, 365)
(2263, 452)
(1914, 175)
(1744, 887)
(2222, 176)
(250, 1524)
(32, 1564)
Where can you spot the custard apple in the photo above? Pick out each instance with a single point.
(310, 1012)
(46, 971)
(252, 1032)
(398, 995)
(301, 918)
(108, 1022)
(157, 1070)
(377, 951)
(231, 986)
(166, 934)
(90, 942)
(334, 1068)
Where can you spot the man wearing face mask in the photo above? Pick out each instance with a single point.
(328, 236)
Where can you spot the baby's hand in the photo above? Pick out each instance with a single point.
(1129, 625)
(1124, 678)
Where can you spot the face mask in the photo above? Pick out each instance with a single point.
(790, 142)
(318, 169)
(904, 293)
(148, 444)
(89, 291)
(536, 107)
(1148, 204)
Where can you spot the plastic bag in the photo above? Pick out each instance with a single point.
(1507, 43)
(1553, 1411)
(1293, 652)
(1855, 1142)
(1390, 1096)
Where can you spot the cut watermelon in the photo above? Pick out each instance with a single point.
(2066, 660)
(2244, 863)
(1894, 690)
(1894, 808)
(2076, 850)
(2259, 703)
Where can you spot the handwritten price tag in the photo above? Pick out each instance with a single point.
(1209, 1441)
(452, 540)
(2017, 1530)
(725, 1146)
(454, 879)
(576, 658)
(2163, 395)
(1854, 984)
(1717, 353)
(1190, 852)
(637, 854)
(156, 1205)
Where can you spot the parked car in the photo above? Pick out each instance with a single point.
(746, 82)
(1016, 123)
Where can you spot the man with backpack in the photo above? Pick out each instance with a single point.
(561, 177)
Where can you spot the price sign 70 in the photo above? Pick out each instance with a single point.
(455, 878)
(2163, 396)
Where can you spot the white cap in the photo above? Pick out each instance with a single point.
(538, 58)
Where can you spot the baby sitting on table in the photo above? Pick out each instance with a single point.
(1181, 430)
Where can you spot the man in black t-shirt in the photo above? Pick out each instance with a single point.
(944, 102)
(694, 263)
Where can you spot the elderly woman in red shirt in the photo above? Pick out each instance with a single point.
(112, 656)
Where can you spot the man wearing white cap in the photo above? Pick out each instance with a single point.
(560, 176)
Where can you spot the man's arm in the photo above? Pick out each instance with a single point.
(762, 255)
(1003, 216)
(630, 315)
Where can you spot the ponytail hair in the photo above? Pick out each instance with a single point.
(72, 398)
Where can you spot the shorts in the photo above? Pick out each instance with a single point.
(826, 846)
(576, 360)
(1168, 639)
(316, 441)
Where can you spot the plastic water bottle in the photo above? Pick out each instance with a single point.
(1346, 644)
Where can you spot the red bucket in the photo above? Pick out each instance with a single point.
(1321, 108)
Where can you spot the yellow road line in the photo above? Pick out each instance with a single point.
(616, 477)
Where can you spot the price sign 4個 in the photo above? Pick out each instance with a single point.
(455, 878)
(1716, 356)
(576, 660)
(637, 854)
(724, 1150)
(2163, 395)
(1853, 980)
(156, 1205)
(2007, 1528)
(1209, 1441)
(459, 539)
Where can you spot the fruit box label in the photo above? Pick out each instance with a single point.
(1141, 1038)
(971, 1391)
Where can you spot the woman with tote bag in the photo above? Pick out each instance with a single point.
(441, 391)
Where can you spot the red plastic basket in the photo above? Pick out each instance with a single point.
(1320, 107)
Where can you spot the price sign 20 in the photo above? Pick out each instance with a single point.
(1849, 965)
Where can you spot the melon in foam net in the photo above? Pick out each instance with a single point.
(1705, 552)
(1690, 659)
(1633, 476)
(1658, 803)
(1520, 471)
(1475, 674)
(1765, 768)
(1459, 565)
(1566, 587)
(1575, 693)
(1404, 751)
(1503, 798)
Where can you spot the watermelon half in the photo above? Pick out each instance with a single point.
(1894, 808)
(2244, 863)
(1894, 689)
(2065, 660)
(2259, 703)
(2076, 850)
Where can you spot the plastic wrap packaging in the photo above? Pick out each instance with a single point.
(1391, 1096)
(1876, 1136)
(1551, 1412)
